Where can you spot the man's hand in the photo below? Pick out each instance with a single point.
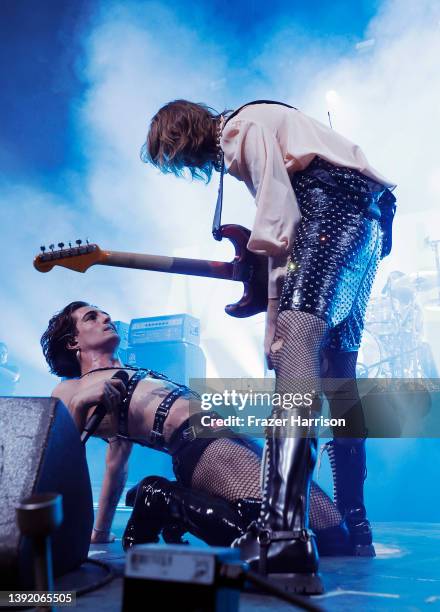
(271, 324)
(106, 392)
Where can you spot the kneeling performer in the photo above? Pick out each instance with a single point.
(217, 494)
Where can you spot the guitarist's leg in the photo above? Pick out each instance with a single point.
(290, 554)
(347, 449)
(339, 385)
(347, 452)
(334, 246)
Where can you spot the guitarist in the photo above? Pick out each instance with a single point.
(323, 219)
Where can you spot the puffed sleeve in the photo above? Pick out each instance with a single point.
(253, 155)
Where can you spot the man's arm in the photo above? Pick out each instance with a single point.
(113, 484)
(79, 400)
(65, 391)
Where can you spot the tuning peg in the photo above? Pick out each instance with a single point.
(78, 242)
(42, 248)
(51, 247)
(61, 245)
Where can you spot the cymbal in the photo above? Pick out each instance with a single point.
(425, 280)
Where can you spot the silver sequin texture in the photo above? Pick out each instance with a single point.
(336, 251)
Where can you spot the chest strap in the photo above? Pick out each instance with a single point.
(125, 404)
(156, 437)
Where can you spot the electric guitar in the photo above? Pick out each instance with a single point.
(246, 267)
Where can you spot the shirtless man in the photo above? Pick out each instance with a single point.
(216, 473)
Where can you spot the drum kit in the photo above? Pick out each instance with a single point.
(394, 344)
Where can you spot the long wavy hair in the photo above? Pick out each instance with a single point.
(182, 135)
(60, 330)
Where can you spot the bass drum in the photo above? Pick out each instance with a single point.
(370, 356)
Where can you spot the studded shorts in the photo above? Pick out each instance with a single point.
(335, 254)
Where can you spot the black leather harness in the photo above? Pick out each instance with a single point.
(156, 438)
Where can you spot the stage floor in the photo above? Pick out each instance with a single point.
(405, 575)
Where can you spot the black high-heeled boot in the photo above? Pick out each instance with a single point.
(166, 507)
(348, 464)
(331, 541)
(334, 541)
(279, 544)
(147, 518)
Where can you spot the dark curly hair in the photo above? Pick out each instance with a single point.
(183, 135)
(60, 330)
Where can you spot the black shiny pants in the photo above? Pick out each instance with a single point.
(336, 251)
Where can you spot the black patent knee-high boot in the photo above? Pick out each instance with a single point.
(167, 508)
(279, 544)
(348, 464)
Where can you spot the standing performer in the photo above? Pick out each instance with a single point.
(323, 220)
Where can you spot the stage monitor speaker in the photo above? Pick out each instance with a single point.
(41, 452)
(180, 361)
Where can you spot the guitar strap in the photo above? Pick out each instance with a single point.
(216, 224)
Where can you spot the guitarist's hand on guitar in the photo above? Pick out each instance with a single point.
(271, 324)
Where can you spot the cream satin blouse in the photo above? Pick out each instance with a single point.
(263, 146)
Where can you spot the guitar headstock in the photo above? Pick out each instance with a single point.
(79, 258)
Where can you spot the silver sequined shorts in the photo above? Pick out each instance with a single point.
(335, 254)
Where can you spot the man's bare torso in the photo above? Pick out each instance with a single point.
(146, 398)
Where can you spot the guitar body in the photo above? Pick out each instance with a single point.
(254, 299)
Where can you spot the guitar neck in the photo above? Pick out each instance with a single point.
(175, 265)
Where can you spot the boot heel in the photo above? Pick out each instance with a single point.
(334, 541)
(364, 550)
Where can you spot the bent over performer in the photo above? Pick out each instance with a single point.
(323, 219)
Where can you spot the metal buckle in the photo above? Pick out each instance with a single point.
(189, 433)
(264, 537)
(155, 437)
(162, 411)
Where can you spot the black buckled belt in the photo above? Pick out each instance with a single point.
(156, 434)
(367, 201)
(192, 428)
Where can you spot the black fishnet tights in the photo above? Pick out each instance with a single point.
(295, 352)
(338, 372)
(230, 470)
(322, 511)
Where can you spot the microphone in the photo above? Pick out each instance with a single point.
(100, 411)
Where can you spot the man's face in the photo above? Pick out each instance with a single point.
(94, 329)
